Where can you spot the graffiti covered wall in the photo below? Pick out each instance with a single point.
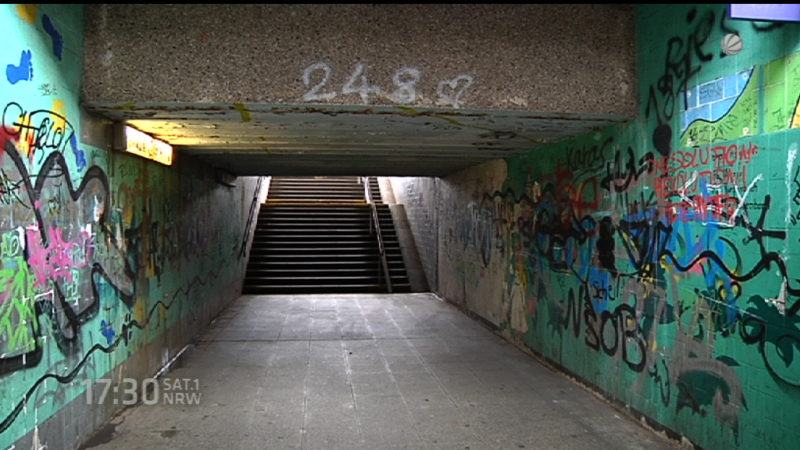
(659, 260)
(103, 256)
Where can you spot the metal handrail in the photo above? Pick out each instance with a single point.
(374, 219)
(250, 217)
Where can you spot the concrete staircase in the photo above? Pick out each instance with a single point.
(313, 236)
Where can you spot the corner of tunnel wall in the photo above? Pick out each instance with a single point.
(418, 197)
(653, 260)
(109, 263)
(255, 200)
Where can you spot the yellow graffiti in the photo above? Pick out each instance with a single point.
(24, 145)
(138, 311)
(27, 13)
(59, 112)
(522, 274)
(796, 118)
(242, 108)
(162, 312)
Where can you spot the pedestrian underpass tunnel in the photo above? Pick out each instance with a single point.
(551, 202)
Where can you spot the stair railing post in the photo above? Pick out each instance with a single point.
(374, 219)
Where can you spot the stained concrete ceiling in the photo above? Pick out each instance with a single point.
(262, 139)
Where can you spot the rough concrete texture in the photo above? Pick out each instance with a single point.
(403, 371)
(413, 264)
(555, 58)
(418, 195)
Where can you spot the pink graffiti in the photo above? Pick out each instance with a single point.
(57, 261)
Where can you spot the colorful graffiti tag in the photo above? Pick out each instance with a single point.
(95, 256)
(652, 258)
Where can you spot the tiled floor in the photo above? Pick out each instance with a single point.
(366, 371)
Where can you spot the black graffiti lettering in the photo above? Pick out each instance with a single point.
(764, 325)
(700, 36)
(679, 68)
(10, 190)
(588, 158)
(632, 331)
(613, 331)
(605, 246)
(593, 338)
(38, 128)
(662, 382)
(573, 312)
(622, 174)
(605, 318)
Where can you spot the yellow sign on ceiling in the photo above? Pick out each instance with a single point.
(147, 146)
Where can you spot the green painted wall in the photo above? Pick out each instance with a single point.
(658, 260)
(102, 254)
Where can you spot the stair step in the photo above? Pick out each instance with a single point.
(334, 197)
(320, 225)
(339, 245)
(314, 190)
(325, 248)
(315, 280)
(355, 221)
(294, 221)
(362, 219)
(322, 270)
(325, 253)
(271, 256)
(318, 265)
(315, 234)
(349, 234)
(365, 226)
(321, 289)
(314, 211)
(334, 207)
(332, 278)
(283, 240)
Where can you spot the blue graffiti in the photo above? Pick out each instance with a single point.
(22, 72)
(80, 156)
(58, 40)
(108, 331)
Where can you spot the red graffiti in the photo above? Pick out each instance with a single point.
(700, 157)
(716, 208)
(689, 183)
(691, 172)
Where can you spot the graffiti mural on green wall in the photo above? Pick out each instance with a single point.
(662, 270)
(782, 93)
(727, 108)
(100, 253)
(724, 109)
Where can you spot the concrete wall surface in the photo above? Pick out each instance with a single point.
(656, 261)
(109, 263)
(555, 58)
(419, 198)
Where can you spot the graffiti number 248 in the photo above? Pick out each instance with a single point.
(405, 80)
